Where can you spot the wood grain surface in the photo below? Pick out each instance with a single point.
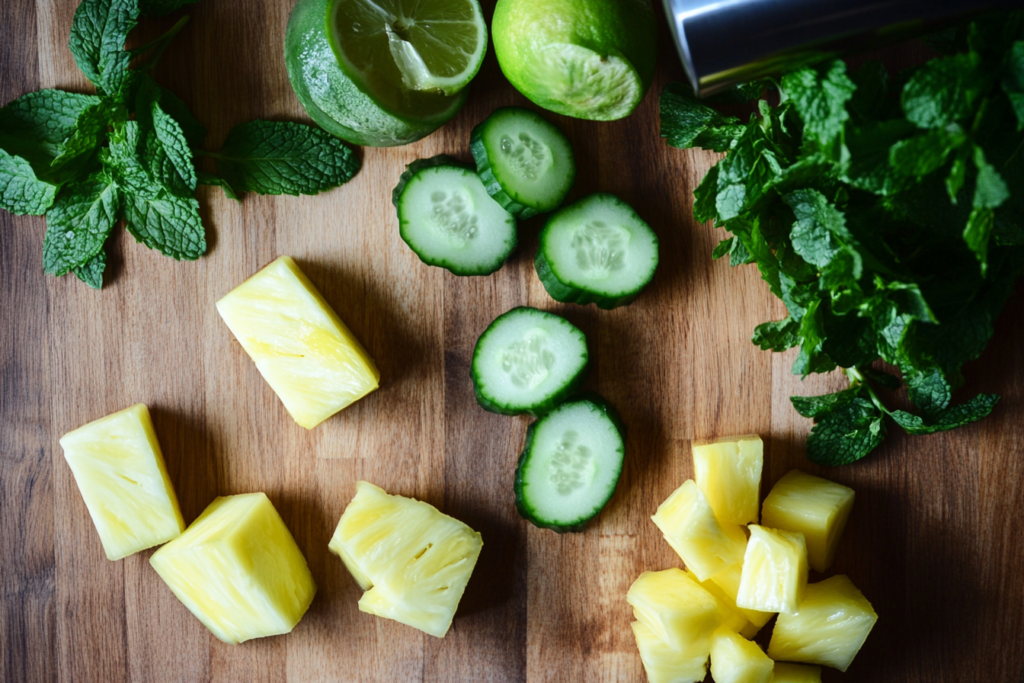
(934, 541)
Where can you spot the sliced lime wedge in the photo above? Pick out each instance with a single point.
(387, 46)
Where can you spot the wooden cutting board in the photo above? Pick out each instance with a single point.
(934, 539)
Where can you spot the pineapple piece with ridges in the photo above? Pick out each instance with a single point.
(728, 472)
(688, 523)
(728, 581)
(734, 659)
(413, 561)
(833, 621)
(676, 608)
(121, 474)
(238, 570)
(299, 344)
(796, 673)
(665, 663)
(774, 573)
(816, 507)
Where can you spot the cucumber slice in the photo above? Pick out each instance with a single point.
(525, 162)
(528, 361)
(446, 216)
(597, 250)
(570, 465)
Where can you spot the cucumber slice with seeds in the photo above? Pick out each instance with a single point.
(528, 361)
(525, 162)
(446, 216)
(597, 250)
(570, 465)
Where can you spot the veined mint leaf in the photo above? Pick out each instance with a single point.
(868, 167)
(686, 122)
(194, 131)
(123, 162)
(777, 335)
(745, 174)
(174, 146)
(944, 91)
(21, 192)
(951, 418)
(819, 406)
(820, 97)
(929, 390)
(821, 238)
(79, 223)
(158, 8)
(723, 248)
(98, 34)
(705, 197)
(92, 272)
(167, 223)
(277, 157)
(846, 433)
(50, 127)
(812, 357)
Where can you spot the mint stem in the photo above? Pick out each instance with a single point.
(858, 379)
(158, 46)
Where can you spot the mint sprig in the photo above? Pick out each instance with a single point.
(888, 216)
(128, 152)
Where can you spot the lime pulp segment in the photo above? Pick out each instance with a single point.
(388, 46)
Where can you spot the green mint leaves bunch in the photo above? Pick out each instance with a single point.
(886, 213)
(127, 152)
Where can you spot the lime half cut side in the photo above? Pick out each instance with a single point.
(339, 104)
(391, 47)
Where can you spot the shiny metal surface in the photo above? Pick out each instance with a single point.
(724, 42)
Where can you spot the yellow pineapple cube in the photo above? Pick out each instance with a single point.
(299, 344)
(665, 663)
(728, 581)
(729, 615)
(774, 574)
(833, 621)
(120, 471)
(706, 545)
(796, 673)
(816, 507)
(734, 659)
(413, 561)
(676, 608)
(728, 471)
(238, 570)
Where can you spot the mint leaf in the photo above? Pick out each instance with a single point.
(79, 223)
(214, 181)
(98, 34)
(705, 197)
(846, 433)
(951, 418)
(812, 357)
(777, 335)
(686, 122)
(167, 223)
(124, 164)
(924, 154)
(929, 390)
(1013, 81)
(990, 191)
(743, 176)
(91, 273)
(193, 131)
(50, 128)
(820, 97)
(722, 248)
(821, 238)
(887, 381)
(276, 157)
(819, 406)
(978, 232)
(21, 192)
(944, 91)
(158, 8)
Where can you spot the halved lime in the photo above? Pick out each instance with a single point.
(348, 107)
(592, 60)
(423, 45)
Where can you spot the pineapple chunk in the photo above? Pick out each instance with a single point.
(728, 471)
(690, 527)
(413, 561)
(734, 659)
(729, 615)
(299, 344)
(238, 570)
(676, 609)
(816, 507)
(666, 664)
(796, 673)
(728, 581)
(774, 573)
(120, 471)
(831, 626)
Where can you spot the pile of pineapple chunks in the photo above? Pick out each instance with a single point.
(237, 568)
(740, 573)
